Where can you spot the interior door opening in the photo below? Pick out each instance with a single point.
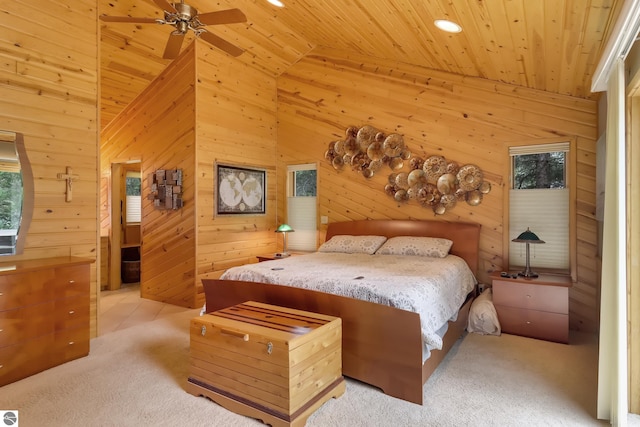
(126, 219)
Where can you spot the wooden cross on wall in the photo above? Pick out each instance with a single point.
(69, 177)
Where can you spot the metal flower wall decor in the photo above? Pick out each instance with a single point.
(433, 181)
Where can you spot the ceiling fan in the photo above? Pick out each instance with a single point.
(184, 18)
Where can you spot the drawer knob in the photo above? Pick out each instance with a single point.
(528, 322)
(72, 312)
(71, 282)
(528, 296)
(269, 347)
(71, 343)
(1, 294)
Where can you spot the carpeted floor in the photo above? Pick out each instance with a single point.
(136, 377)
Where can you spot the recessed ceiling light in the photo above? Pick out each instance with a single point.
(448, 26)
(277, 3)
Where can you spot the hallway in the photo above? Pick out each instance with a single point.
(123, 308)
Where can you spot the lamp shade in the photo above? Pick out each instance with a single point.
(284, 228)
(528, 237)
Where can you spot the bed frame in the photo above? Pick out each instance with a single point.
(381, 345)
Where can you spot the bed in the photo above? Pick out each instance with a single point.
(383, 345)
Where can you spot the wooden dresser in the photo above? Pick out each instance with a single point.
(536, 308)
(44, 314)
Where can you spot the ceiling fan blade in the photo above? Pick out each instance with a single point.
(165, 5)
(221, 43)
(173, 45)
(106, 18)
(229, 16)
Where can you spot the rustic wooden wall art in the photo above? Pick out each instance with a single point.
(433, 181)
(166, 189)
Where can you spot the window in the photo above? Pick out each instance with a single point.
(11, 195)
(301, 207)
(539, 201)
(134, 200)
(10, 208)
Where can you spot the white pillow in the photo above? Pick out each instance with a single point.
(483, 318)
(353, 244)
(413, 245)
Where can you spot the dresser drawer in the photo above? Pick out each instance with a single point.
(553, 299)
(71, 344)
(71, 313)
(29, 357)
(71, 281)
(27, 323)
(25, 358)
(534, 323)
(32, 321)
(19, 290)
(35, 287)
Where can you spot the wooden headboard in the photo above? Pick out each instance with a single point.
(465, 235)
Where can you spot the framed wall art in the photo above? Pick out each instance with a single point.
(166, 189)
(240, 190)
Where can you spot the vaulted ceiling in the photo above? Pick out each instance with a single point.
(551, 45)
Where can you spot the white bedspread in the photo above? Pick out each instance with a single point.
(435, 288)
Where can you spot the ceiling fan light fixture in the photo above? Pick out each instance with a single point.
(276, 3)
(448, 26)
(182, 26)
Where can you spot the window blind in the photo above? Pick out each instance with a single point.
(546, 213)
(134, 211)
(540, 148)
(301, 214)
(133, 201)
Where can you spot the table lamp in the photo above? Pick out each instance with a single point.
(527, 237)
(284, 229)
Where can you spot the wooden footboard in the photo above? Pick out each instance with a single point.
(455, 331)
(381, 345)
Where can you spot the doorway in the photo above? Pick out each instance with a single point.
(126, 218)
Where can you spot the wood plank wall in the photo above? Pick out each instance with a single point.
(236, 116)
(204, 109)
(466, 120)
(49, 92)
(158, 129)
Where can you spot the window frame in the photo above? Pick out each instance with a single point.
(131, 173)
(571, 185)
(290, 193)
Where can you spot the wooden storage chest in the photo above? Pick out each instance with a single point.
(271, 363)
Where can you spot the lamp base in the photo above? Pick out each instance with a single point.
(528, 274)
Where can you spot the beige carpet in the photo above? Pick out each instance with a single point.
(136, 377)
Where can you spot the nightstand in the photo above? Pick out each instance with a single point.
(536, 307)
(271, 257)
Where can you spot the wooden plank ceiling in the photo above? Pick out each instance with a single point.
(551, 45)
